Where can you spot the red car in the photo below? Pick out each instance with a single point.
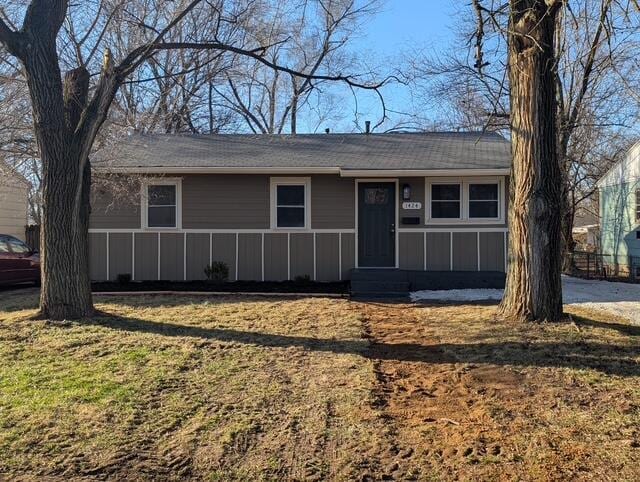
(18, 262)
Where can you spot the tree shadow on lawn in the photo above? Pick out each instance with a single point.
(606, 358)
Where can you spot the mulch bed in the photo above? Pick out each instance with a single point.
(234, 287)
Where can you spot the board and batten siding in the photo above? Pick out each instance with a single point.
(227, 218)
(619, 223)
(13, 208)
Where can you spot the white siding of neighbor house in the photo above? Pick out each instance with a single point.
(13, 208)
(619, 225)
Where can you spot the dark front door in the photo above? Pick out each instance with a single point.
(376, 224)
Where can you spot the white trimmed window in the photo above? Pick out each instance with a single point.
(290, 203)
(446, 201)
(484, 200)
(161, 204)
(459, 200)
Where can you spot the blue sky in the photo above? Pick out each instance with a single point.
(401, 27)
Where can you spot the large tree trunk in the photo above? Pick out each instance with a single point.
(533, 290)
(66, 290)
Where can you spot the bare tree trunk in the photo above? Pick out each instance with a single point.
(66, 288)
(568, 243)
(294, 114)
(533, 290)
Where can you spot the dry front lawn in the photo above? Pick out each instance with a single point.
(244, 388)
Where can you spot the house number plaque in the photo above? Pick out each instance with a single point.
(412, 205)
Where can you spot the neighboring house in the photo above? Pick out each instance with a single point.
(431, 205)
(619, 194)
(586, 230)
(14, 203)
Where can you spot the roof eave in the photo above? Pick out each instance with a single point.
(306, 170)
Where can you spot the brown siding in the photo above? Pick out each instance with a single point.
(250, 257)
(275, 257)
(172, 256)
(301, 254)
(438, 251)
(224, 250)
(348, 255)
(411, 254)
(98, 256)
(113, 210)
(332, 202)
(465, 252)
(327, 261)
(146, 256)
(197, 255)
(225, 201)
(120, 251)
(492, 252)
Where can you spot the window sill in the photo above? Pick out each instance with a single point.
(432, 222)
(291, 229)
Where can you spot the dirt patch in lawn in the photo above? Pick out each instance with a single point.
(475, 398)
(242, 388)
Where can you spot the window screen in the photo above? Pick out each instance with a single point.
(483, 200)
(162, 206)
(445, 201)
(290, 206)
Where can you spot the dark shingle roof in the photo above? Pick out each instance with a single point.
(397, 151)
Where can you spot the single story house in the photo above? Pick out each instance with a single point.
(14, 203)
(619, 196)
(428, 207)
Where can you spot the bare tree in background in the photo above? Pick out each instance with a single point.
(592, 41)
(68, 112)
(597, 42)
(270, 101)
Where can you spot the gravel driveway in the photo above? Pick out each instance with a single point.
(622, 299)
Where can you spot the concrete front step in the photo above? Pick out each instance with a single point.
(378, 274)
(386, 288)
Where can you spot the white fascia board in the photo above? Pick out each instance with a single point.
(219, 170)
(368, 173)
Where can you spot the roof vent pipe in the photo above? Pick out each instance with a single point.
(367, 127)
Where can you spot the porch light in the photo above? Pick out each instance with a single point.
(406, 192)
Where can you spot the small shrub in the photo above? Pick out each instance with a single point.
(217, 271)
(302, 279)
(123, 278)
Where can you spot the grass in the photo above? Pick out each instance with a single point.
(313, 389)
